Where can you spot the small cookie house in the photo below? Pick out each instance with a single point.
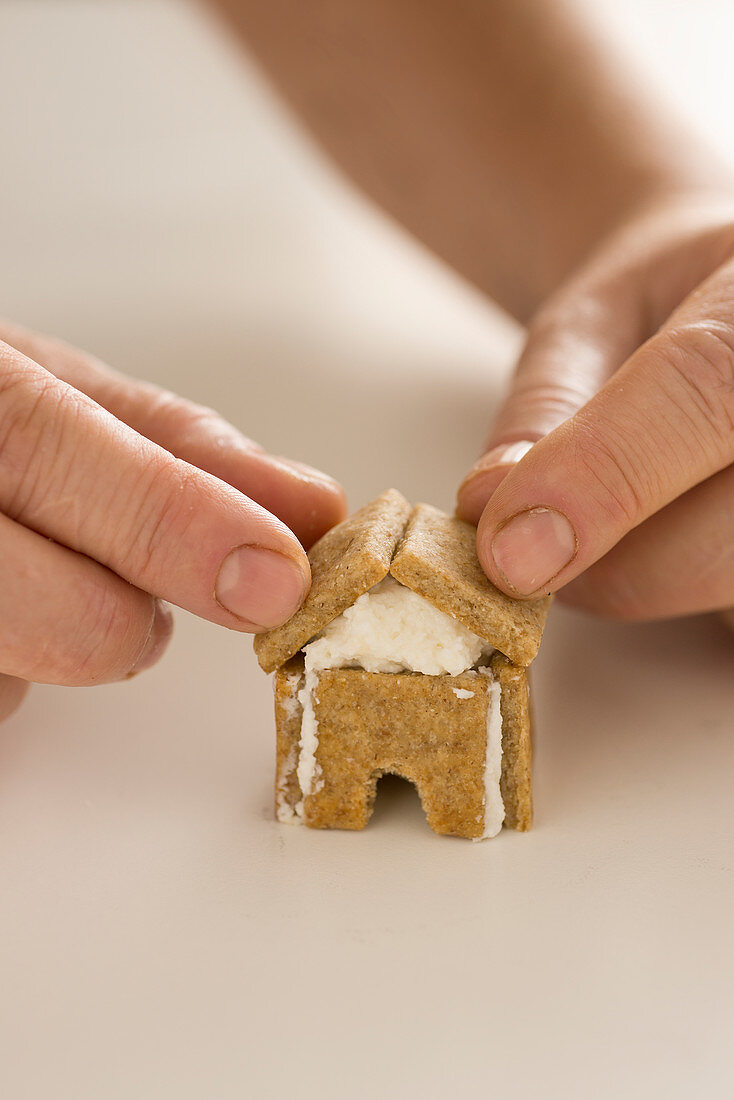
(404, 659)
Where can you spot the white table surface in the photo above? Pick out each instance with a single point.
(160, 935)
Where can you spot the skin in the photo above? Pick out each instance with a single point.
(508, 138)
(635, 443)
(116, 496)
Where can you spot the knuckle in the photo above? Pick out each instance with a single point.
(616, 474)
(164, 510)
(701, 355)
(23, 443)
(14, 395)
(572, 311)
(548, 405)
(558, 371)
(112, 627)
(543, 327)
(184, 420)
(37, 416)
(97, 638)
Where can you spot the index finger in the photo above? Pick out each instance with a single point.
(308, 501)
(573, 347)
(73, 472)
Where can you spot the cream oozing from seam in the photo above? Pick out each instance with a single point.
(494, 807)
(391, 629)
(308, 769)
(284, 811)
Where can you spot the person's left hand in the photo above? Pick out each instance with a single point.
(609, 473)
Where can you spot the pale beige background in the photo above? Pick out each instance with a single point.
(160, 935)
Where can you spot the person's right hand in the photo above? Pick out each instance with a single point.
(115, 495)
(609, 476)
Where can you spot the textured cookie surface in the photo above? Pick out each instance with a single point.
(437, 558)
(345, 563)
(408, 724)
(515, 784)
(287, 682)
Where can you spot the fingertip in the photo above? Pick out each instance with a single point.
(158, 639)
(525, 554)
(475, 492)
(310, 475)
(262, 587)
(308, 501)
(321, 505)
(485, 477)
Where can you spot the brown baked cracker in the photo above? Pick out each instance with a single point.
(287, 682)
(437, 558)
(374, 723)
(515, 784)
(345, 563)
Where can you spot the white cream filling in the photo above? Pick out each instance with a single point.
(284, 811)
(494, 807)
(393, 629)
(309, 772)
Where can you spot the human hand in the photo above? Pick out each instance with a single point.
(609, 471)
(115, 495)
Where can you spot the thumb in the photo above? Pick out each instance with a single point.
(662, 424)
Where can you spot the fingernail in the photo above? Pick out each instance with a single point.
(532, 548)
(160, 633)
(261, 586)
(485, 476)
